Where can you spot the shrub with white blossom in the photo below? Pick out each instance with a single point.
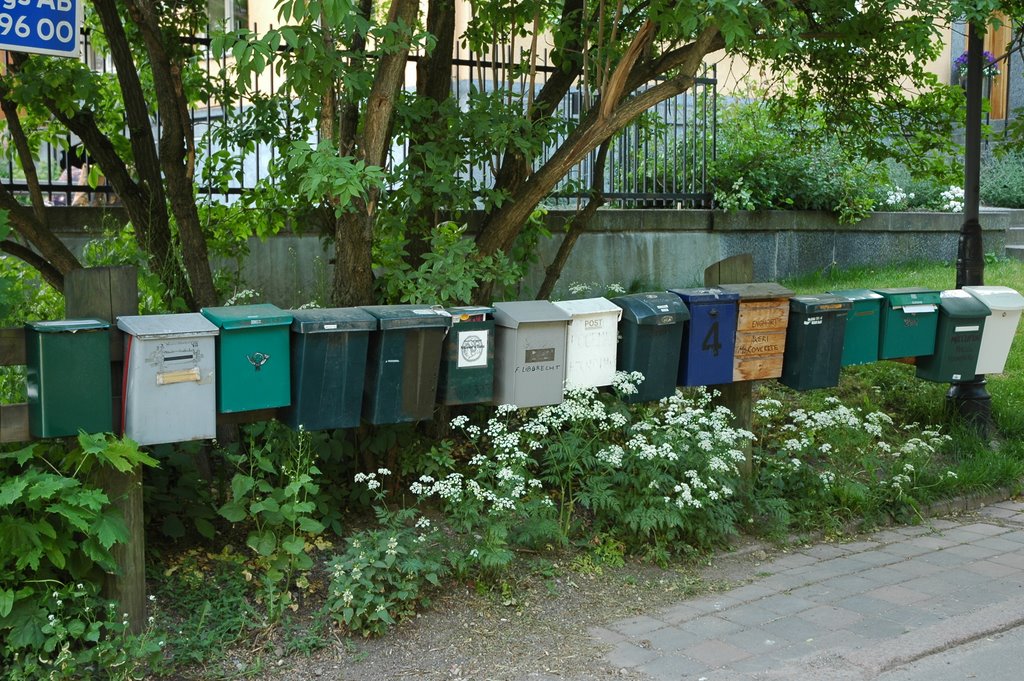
(833, 464)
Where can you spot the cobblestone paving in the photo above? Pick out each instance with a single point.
(840, 611)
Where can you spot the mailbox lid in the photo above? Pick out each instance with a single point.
(68, 325)
(470, 313)
(589, 306)
(332, 320)
(997, 298)
(512, 314)
(858, 295)
(157, 326)
(407, 316)
(911, 297)
(819, 304)
(653, 309)
(959, 304)
(759, 291)
(696, 296)
(247, 316)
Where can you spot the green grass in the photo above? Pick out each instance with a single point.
(893, 388)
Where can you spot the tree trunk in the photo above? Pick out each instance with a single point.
(353, 235)
(434, 83)
(177, 153)
(578, 224)
(148, 212)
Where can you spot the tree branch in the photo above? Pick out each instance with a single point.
(28, 163)
(52, 249)
(49, 273)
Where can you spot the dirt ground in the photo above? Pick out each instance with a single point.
(534, 628)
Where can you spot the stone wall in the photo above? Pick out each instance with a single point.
(665, 248)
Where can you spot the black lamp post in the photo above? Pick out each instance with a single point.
(970, 398)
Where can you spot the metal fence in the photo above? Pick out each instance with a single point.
(660, 161)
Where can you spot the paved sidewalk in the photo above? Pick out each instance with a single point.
(842, 611)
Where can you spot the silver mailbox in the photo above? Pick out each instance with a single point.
(529, 353)
(169, 393)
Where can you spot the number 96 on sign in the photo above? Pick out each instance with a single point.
(41, 26)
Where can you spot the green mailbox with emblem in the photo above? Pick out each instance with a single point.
(910, 317)
(957, 340)
(651, 338)
(253, 357)
(467, 358)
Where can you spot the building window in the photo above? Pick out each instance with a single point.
(229, 13)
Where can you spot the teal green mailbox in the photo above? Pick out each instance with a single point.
(403, 363)
(68, 377)
(909, 320)
(253, 358)
(467, 358)
(958, 339)
(860, 342)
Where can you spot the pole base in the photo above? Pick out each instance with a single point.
(972, 403)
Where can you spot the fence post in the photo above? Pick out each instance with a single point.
(106, 293)
(737, 396)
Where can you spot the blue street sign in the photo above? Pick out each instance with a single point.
(41, 26)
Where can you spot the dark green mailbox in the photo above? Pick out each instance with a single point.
(814, 341)
(467, 358)
(253, 358)
(909, 319)
(68, 377)
(328, 363)
(860, 342)
(403, 363)
(958, 339)
(650, 341)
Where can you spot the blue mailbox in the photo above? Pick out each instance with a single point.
(709, 340)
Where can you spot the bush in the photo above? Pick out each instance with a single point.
(1002, 181)
(765, 163)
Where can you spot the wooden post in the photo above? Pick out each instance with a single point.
(738, 269)
(107, 293)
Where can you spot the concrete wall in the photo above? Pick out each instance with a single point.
(664, 248)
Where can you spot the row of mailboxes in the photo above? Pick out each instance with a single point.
(391, 364)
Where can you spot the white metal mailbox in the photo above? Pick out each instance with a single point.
(997, 336)
(529, 353)
(169, 393)
(592, 341)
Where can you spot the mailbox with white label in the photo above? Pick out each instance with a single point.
(592, 341)
(530, 353)
(957, 339)
(1000, 328)
(169, 393)
(909, 319)
(467, 358)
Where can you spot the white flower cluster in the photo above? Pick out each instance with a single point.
(896, 197)
(370, 479)
(953, 199)
(626, 382)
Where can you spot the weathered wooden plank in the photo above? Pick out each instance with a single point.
(757, 368)
(14, 423)
(736, 269)
(758, 343)
(12, 346)
(241, 417)
(763, 315)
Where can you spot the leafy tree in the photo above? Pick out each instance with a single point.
(156, 70)
(854, 62)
